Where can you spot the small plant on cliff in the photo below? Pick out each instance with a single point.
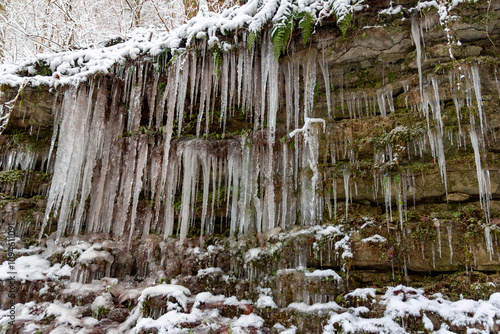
(217, 56)
(283, 30)
(42, 68)
(11, 176)
(251, 40)
(345, 23)
(146, 307)
(100, 312)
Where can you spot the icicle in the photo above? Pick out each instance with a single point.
(224, 90)
(139, 172)
(194, 79)
(436, 105)
(399, 200)
(182, 75)
(479, 100)
(234, 162)
(437, 149)
(309, 159)
(284, 201)
(483, 177)
(310, 85)
(102, 201)
(296, 89)
(135, 99)
(190, 173)
(206, 90)
(97, 130)
(288, 69)
(205, 165)
(270, 72)
(437, 223)
(326, 77)
(415, 33)
(489, 243)
(381, 104)
(248, 185)
(347, 175)
(164, 187)
(240, 74)
(126, 186)
(335, 197)
(386, 183)
(448, 228)
(69, 158)
(390, 100)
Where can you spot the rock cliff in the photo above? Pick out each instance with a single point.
(307, 180)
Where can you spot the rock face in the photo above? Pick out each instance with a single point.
(352, 162)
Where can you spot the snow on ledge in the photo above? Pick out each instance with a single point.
(33, 267)
(74, 67)
(250, 320)
(209, 271)
(374, 238)
(178, 292)
(304, 308)
(325, 273)
(266, 301)
(362, 293)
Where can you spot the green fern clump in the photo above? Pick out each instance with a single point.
(306, 25)
(345, 23)
(292, 15)
(283, 30)
(343, 11)
(251, 40)
(281, 35)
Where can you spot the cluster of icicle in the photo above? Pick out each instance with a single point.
(101, 179)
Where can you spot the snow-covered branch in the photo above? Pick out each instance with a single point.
(6, 108)
(38, 26)
(307, 126)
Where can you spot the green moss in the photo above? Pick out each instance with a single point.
(472, 285)
(399, 135)
(150, 131)
(11, 176)
(419, 167)
(396, 25)
(252, 37)
(21, 140)
(425, 232)
(471, 13)
(217, 56)
(161, 86)
(42, 68)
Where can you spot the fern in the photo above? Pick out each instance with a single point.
(306, 25)
(345, 23)
(251, 40)
(281, 36)
(283, 29)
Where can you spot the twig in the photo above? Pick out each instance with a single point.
(30, 36)
(9, 106)
(487, 16)
(159, 16)
(64, 10)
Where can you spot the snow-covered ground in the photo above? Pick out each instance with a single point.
(127, 305)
